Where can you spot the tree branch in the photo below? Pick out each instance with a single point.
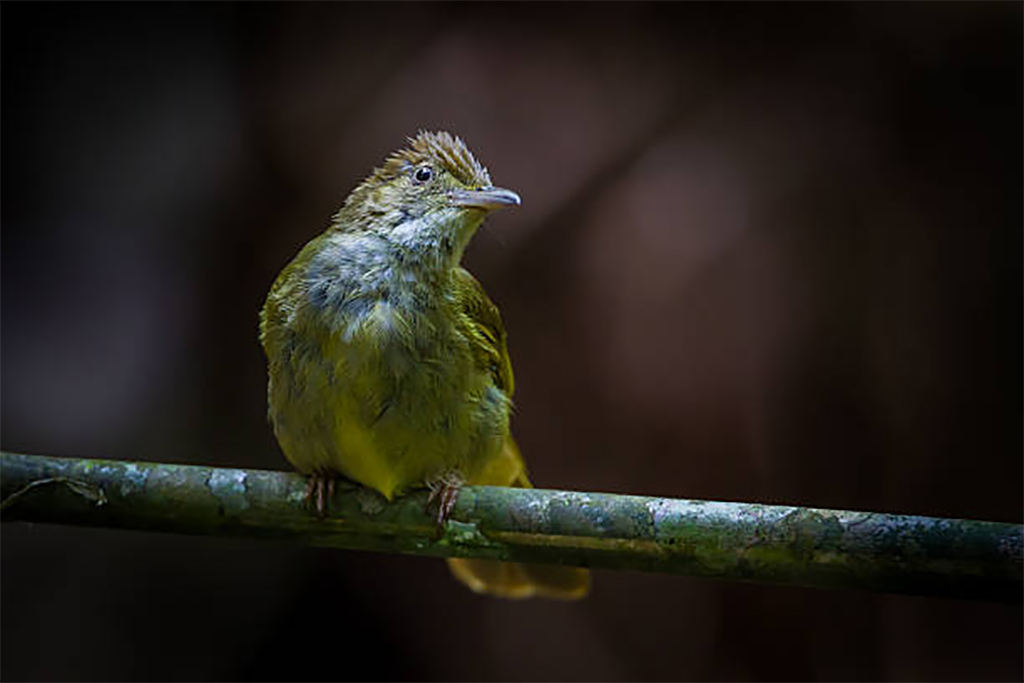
(739, 541)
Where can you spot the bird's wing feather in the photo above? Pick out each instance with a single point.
(482, 322)
(484, 329)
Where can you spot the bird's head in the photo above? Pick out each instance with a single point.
(428, 198)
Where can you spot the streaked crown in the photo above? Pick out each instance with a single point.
(441, 149)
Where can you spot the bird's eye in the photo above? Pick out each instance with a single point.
(424, 174)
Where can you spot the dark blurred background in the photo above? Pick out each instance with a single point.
(766, 253)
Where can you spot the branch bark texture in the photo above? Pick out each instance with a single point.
(739, 541)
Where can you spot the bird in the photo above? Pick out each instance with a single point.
(387, 362)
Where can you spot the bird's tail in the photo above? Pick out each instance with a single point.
(518, 580)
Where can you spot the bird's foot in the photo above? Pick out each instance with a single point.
(320, 490)
(446, 491)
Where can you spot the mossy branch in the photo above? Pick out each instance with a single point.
(739, 541)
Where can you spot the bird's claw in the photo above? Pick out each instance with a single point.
(320, 490)
(446, 492)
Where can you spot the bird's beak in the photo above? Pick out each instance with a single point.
(486, 198)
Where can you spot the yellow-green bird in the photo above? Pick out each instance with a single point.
(387, 361)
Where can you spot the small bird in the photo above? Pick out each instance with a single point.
(388, 363)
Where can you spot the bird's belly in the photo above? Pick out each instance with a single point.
(420, 437)
(390, 407)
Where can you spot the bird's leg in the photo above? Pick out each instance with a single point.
(320, 482)
(446, 491)
(310, 487)
(448, 498)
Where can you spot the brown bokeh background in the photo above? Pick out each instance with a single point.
(766, 253)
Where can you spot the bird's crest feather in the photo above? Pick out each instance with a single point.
(441, 148)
